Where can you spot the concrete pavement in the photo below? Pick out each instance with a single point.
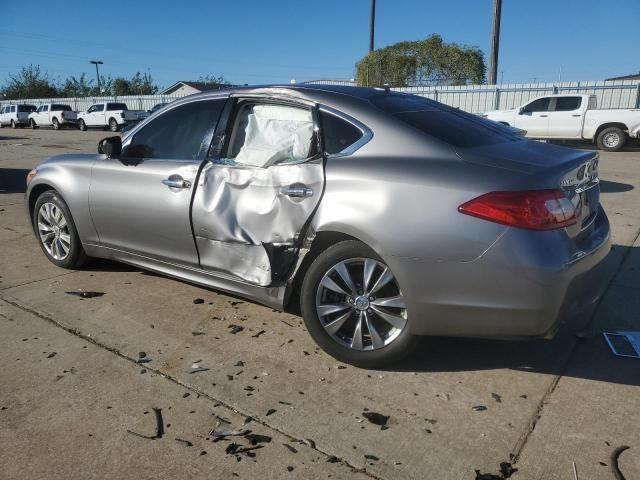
(548, 403)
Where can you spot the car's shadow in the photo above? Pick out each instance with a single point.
(13, 180)
(607, 186)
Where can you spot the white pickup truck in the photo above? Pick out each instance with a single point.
(572, 117)
(109, 114)
(54, 115)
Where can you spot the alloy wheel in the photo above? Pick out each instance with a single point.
(611, 140)
(54, 231)
(360, 305)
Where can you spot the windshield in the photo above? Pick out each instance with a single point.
(58, 108)
(444, 123)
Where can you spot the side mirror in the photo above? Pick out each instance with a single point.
(521, 110)
(111, 147)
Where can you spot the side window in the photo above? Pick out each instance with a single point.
(177, 134)
(539, 105)
(99, 108)
(13, 109)
(338, 134)
(268, 134)
(91, 109)
(567, 104)
(45, 108)
(39, 109)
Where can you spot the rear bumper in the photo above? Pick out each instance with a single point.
(525, 285)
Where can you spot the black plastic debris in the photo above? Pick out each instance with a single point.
(290, 448)
(289, 468)
(615, 456)
(479, 408)
(186, 443)
(203, 452)
(259, 333)
(197, 368)
(496, 397)
(506, 469)
(371, 457)
(159, 427)
(239, 363)
(82, 294)
(255, 439)
(271, 411)
(249, 388)
(376, 418)
(235, 328)
(196, 334)
(52, 354)
(142, 354)
(332, 459)
(487, 476)
(198, 301)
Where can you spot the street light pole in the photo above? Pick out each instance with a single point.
(96, 63)
(495, 42)
(372, 24)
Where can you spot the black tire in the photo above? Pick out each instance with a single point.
(32, 124)
(82, 126)
(113, 125)
(13, 124)
(402, 345)
(611, 139)
(75, 256)
(56, 124)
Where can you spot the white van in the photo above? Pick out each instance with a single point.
(15, 115)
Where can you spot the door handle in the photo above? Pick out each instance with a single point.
(176, 181)
(543, 116)
(297, 190)
(576, 115)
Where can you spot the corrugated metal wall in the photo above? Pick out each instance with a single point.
(472, 98)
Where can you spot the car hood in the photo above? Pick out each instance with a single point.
(499, 112)
(524, 156)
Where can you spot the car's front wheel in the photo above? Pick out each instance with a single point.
(56, 231)
(354, 308)
(32, 124)
(612, 139)
(82, 126)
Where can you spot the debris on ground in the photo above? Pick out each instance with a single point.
(159, 426)
(239, 363)
(371, 457)
(271, 411)
(235, 328)
(615, 468)
(259, 333)
(186, 443)
(479, 408)
(506, 469)
(332, 459)
(377, 419)
(198, 301)
(142, 358)
(195, 368)
(290, 448)
(496, 397)
(195, 334)
(83, 294)
(52, 354)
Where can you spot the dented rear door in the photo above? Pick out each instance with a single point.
(258, 190)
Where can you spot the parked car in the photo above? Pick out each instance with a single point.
(54, 115)
(573, 117)
(111, 115)
(383, 216)
(15, 115)
(142, 116)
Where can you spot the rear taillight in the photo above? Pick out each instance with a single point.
(62, 115)
(532, 209)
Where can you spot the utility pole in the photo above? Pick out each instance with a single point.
(495, 42)
(96, 63)
(372, 24)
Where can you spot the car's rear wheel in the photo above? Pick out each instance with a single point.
(113, 125)
(13, 123)
(82, 126)
(353, 307)
(56, 124)
(56, 231)
(612, 139)
(32, 124)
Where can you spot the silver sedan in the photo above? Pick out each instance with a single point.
(380, 216)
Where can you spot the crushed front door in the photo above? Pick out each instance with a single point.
(256, 195)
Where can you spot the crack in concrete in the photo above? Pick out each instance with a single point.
(77, 333)
(36, 281)
(518, 448)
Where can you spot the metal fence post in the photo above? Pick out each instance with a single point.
(435, 93)
(497, 100)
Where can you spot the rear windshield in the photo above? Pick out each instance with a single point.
(116, 106)
(444, 123)
(26, 108)
(60, 108)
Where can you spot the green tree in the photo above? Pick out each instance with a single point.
(214, 81)
(77, 86)
(30, 82)
(121, 86)
(422, 62)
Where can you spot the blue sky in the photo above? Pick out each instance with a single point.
(252, 41)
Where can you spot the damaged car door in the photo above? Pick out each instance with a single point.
(140, 202)
(258, 190)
